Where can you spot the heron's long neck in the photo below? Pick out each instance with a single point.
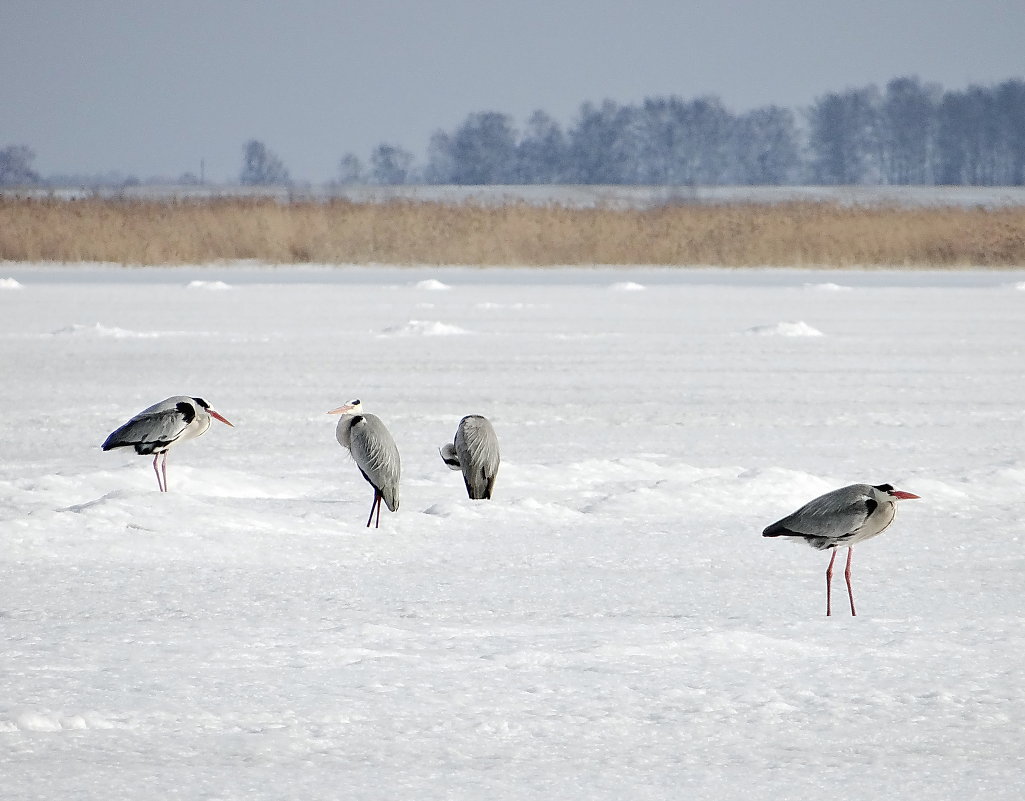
(198, 426)
(343, 430)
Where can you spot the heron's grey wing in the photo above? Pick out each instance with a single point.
(477, 447)
(377, 456)
(149, 432)
(833, 517)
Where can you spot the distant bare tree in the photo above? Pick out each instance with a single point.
(844, 137)
(440, 166)
(480, 151)
(541, 153)
(390, 165)
(967, 137)
(484, 150)
(907, 127)
(260, 167)
(765, 147)
(15, 166)
(683, 142)
(603, 145)
(351, 171)
(1010, 110)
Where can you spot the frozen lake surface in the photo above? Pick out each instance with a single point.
(611, 626)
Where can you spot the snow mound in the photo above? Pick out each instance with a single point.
(795, 329)
(780, 486)
(423, 328)
(105, 331)
(10, 283)
(828, 287)
(1020, 286)
(450, 510)
(431, 284)
(33, 721)
(211, 285)
(627, 286)
(53, 722)
(490, 305)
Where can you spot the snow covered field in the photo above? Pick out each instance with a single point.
(570, 196)
(611, 626)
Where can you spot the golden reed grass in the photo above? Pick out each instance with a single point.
(404, 232)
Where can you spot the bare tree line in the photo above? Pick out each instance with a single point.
(908, 133)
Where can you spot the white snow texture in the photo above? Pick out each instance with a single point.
(611, 626)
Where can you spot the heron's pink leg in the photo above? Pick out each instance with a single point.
(829, 584)
(847, 575)
(163, 469)
(157, 471)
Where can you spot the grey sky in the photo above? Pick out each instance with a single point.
(150, 88)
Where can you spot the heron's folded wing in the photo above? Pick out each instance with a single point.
(374, 451)
(835, 516)
(481, 443)
(149, 431)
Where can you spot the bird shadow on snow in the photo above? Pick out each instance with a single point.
(78, 508)
(202, 482)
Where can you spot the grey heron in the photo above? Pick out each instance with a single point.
(373, 450)
(156, 429)
(841, 518)
(475, 452)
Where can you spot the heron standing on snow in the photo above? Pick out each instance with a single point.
(475, 452)
(843, 517)
(374, 452)
(162, 425)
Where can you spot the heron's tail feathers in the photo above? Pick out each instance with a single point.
(479, 487)
(391, 498)
(776, 530)
(821, 543)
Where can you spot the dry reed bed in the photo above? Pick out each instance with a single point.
(402, 232)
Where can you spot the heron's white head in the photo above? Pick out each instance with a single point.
(351, 407)
(887, 489)
(216, 415)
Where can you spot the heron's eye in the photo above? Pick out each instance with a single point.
(884, 487)
(202, 403)
(355, 402)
